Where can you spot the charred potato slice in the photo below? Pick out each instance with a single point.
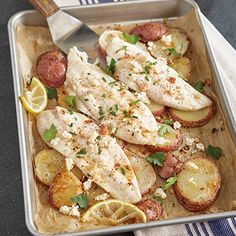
(64, 186)
(198, 184)
(47, 164)
(182, 65)
(156, 109)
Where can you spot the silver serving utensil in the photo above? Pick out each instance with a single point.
(66, 30)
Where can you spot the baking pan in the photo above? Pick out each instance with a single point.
(99, 14)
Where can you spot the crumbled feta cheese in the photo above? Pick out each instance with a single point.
(71, 211)
(55, 141)
(102, 197)
(69, 163)
(87, 184)
(176, 125)
(66, 134)
(190, 141)
(200, 147)
(160, 192)
(167, 39)
(192, 165)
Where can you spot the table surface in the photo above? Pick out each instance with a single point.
(220, 13)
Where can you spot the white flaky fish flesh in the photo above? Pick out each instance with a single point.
(142, 72)
(98, 156)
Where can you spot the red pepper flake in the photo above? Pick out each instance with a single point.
(172, 80)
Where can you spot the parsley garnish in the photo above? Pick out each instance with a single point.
(131, 38)
(173, 51)
(70, 100)
(113, 110)
(169, 182)
(135, 102)
(100, 113)
(50, 133)
(103, 95)
(168, 122)
(147, 68)
(199, 86)
(122, 48)
(163, 130)
(51, 93)
(86, 99)
(82, 199)
(70, 111)
(111, 68)
(215, 152)
(122, 170)
(98, 137)
(81, 153)
(160, 200)
(104, 79)
(126, 114)
(73, 133)
(99, 150)
(157, 158)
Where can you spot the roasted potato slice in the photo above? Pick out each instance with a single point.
(182, 65)
(156, 109)
(170, 46)
(64, 186)
(47, 164)
(144, 172)
(198, 184)
(193, 118)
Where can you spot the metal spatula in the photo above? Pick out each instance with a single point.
(66, 30)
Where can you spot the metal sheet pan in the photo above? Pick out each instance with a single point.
(106, 13)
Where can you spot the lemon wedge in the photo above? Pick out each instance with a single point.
(34, 98)
(114, 212)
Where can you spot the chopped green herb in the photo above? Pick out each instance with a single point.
(51, 93)
(159, 199)
(70, 111)
(131, 38)
(169, 182)
(98, 137)
(199, 86)
(99, 150)
(157, 158)
(82, 200)
(122, 170)
(73, 133)
(147, 69)
(70, 100)
(71, 124)
(146, 78)
(163, 130)
(215, 152)
(113, 110)
(81, 152)
(113, 82)
(165, 20)
(122, 48)
(50, 133)
(104, 79)
(103, 95)
(173, 51)
(101, 118)
(86, 99)
(135, 102)
(101, 113)
(168, 122)
(111, 68)
(130, 74)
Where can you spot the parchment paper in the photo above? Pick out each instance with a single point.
(32, 41)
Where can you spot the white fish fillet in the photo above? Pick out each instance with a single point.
(109, 102)
(141, 72)
(104, 160)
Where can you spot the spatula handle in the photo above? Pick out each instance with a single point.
(45, 7)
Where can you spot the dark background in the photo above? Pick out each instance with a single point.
(12, 222)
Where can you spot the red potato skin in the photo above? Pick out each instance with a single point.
(152, 31)
(169, 148)
(151, 208)
(51, 68)
(193, 206)
(171, 166)
(160, 112)
(193, 124)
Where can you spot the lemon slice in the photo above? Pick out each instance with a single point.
(34, 98)
(114, 212)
